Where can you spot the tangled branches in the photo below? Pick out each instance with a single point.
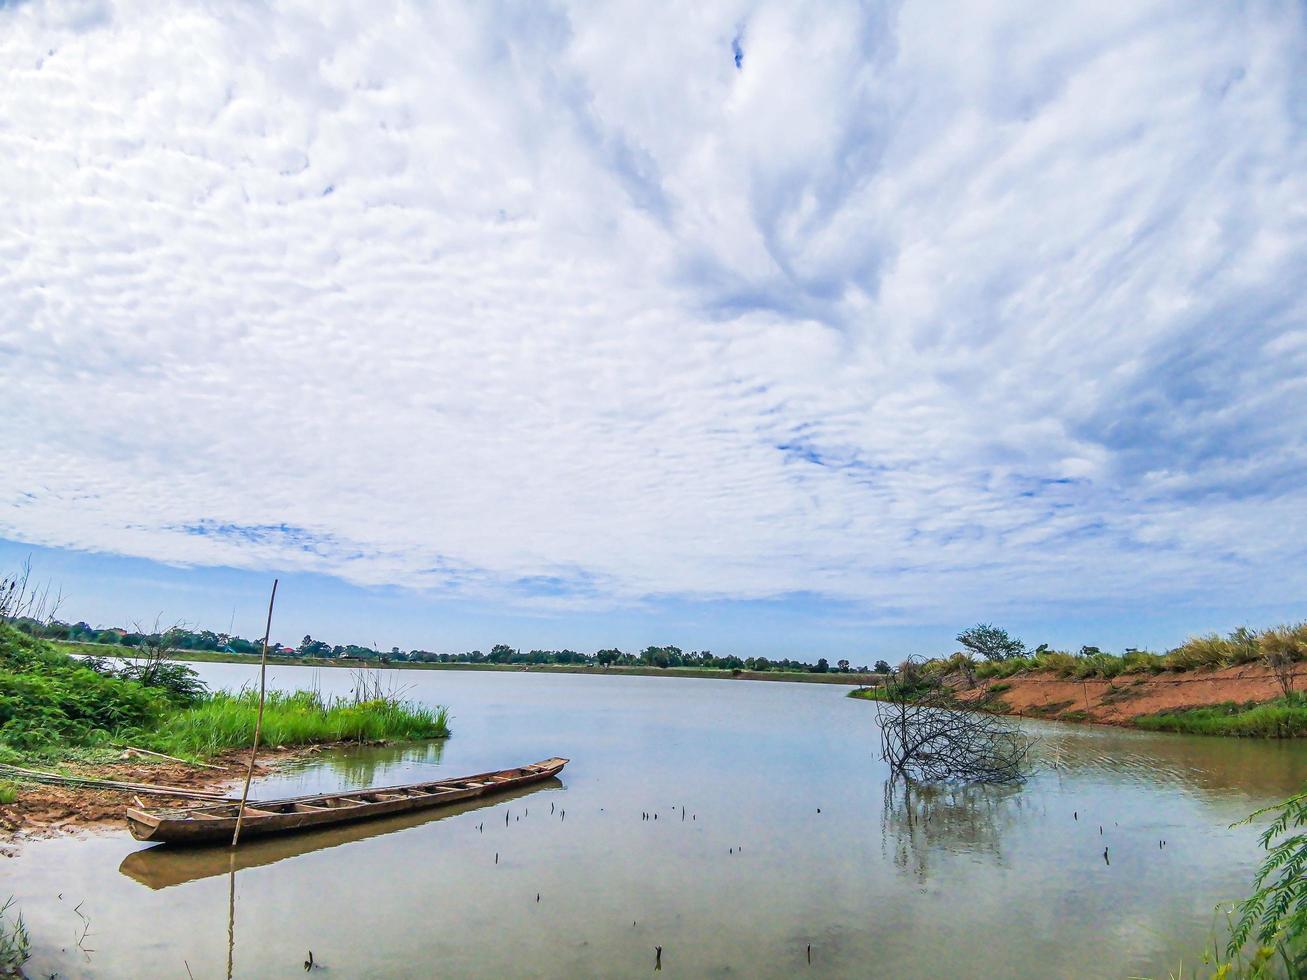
(927, 735)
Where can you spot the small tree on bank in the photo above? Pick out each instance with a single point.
(991, 642)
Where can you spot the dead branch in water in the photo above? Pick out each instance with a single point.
(929, 736)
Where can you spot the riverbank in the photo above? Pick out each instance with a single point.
(41, 810)
(74, 717)
(1246, 700)
(202, 657)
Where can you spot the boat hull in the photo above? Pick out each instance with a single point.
(212, 824)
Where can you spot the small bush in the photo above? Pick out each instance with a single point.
(8, 792)
(179, 683)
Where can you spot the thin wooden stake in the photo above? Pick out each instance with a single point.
(258, 722)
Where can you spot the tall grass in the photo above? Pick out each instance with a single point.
(226, 721)
(1209, 651)
(15, 946)
(1281, 718)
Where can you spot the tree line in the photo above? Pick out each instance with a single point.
(182, 638)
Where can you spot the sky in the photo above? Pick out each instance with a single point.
(769, 328)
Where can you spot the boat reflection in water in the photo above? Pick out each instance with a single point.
(162, 866)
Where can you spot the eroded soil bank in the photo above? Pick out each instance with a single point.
(1119, 700)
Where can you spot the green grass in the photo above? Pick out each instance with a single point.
(1281, 718)
(15, 946)
(8, 792)
(226, 721)
(54, 709)
(47, 697)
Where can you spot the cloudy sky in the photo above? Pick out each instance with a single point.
(777, 328)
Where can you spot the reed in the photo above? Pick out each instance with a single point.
(226, 721)
(15, 946)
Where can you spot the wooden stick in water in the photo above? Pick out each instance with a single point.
(258, 722)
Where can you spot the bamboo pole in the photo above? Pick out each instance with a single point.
(171, 758)
(258, 722)
(88, 782)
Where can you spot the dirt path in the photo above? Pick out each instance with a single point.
(1121, 699)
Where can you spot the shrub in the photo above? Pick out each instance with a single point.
(47, 696)
(179, 683)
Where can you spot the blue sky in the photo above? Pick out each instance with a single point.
(783, 331)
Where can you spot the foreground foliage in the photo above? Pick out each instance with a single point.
(1275, 915)
(15, 946)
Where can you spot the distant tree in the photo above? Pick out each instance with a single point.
(822, 666)
(843, 665)
(309, 647)
(990, 642)
(500, 653)
(606, 658)
(882, 667)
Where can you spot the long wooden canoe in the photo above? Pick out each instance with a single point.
(211, 823)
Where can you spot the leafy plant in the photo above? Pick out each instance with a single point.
(1276, 913)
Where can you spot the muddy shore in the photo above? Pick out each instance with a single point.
(47, 811)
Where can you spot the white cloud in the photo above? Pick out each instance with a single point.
(920, 306)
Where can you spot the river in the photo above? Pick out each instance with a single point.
(778, 849)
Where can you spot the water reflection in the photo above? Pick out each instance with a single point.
(363, 766)
(918, 821)
(1253, 768)
(162, 866)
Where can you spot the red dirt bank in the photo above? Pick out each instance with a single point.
(1119, 700)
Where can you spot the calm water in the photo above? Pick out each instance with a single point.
(982, 882)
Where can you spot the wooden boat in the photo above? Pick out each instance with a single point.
(216, 822)
(164, 865)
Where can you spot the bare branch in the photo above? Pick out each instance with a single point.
(928, 736)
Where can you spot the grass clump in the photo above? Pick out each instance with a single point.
(226, 721)
(1281, 718)
(8, 792)
(15, 945)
